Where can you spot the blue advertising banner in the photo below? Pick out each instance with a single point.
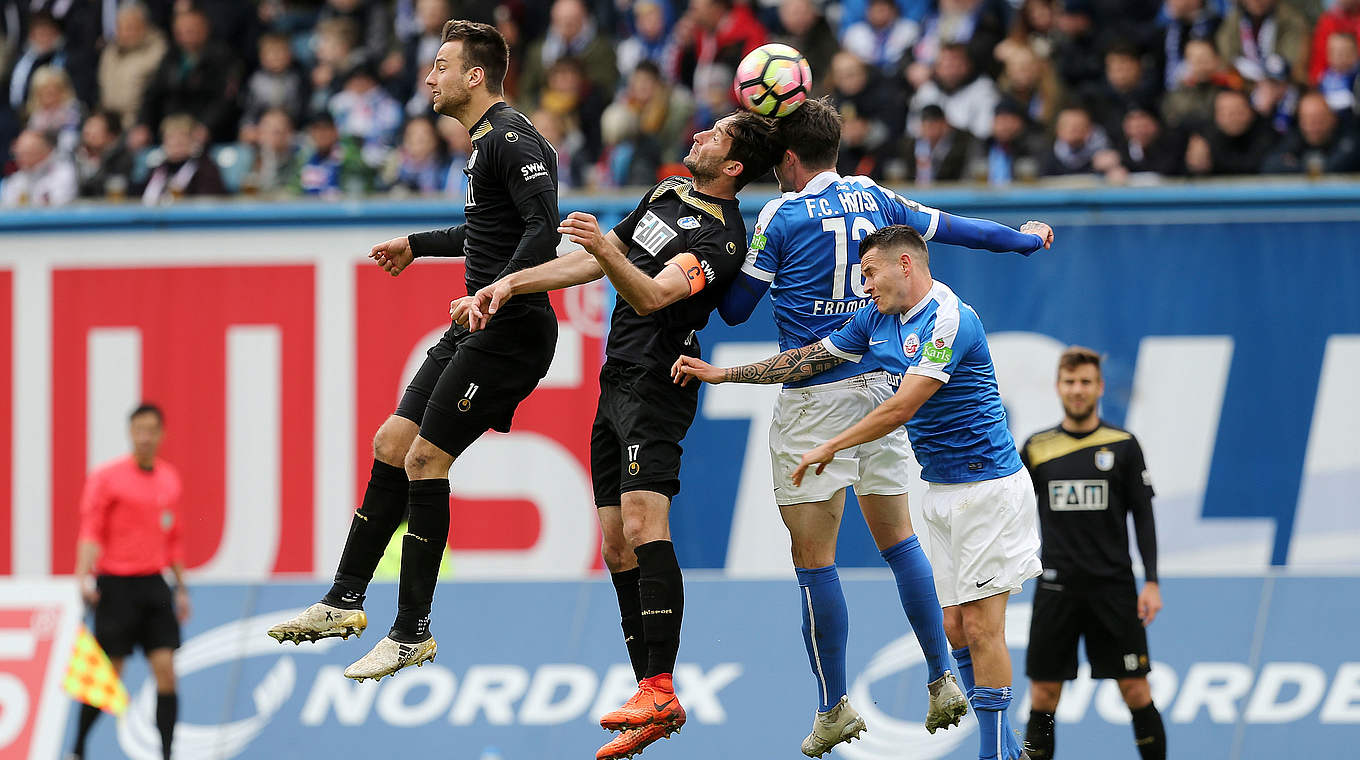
(1241, 671)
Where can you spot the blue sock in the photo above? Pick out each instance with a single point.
(826, 626)
(965, 672)
(996, 739)
(916, 588)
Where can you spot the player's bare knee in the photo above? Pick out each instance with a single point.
(953, 628)
(393, 441)
(809, 554)
(981, 629)
(1137, 694)
(424, 460)
(618, 556)
(1044, 695)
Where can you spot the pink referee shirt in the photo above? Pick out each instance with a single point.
(134, 517)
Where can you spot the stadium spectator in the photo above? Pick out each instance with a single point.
(714, 32)
(1079, 55)
(1033, 27)
(1126, 86)
(570, 96)
(1319, 145)
(275, 161)
(627, 158)
(1191, 104)
(854, 11)
(336, 52)
(883, 38)
(186, 169)
(1236, 143)
(52, 107)
(103, 163)
(941, 152)
(569, 144)
(806, 30)
(1275, 97)
(417, 52)
(968, 99)
(333, 165)
(662, 113)
(650, 40)
(372, 19)
(1077, 140)
(1029, 80)
(1016, 146)
(44, 177)
(43, 46)
(1146, 147)
(199, 76)
(1343, 16)
(129, 61)
(365, 111)
(1186, 20)
(1254, 29)
(572, 34)
(873, 113)
(277, 83)
(418, 165)
(956, 22)
(1338, 80)
(458, 146)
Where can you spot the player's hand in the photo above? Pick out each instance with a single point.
(393, 255)
(459, 309)
(1039, 228)
(584, 230)
(820, 456)
(1149, 603)
(182, 607)
(89, 592)
(687, 367)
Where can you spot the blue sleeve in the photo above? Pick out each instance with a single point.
(851, 340)
(985, 234)
(758, 270)
(740, 300)
(952, 333)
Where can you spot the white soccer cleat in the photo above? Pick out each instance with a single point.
(948, 705)
(320, 621)
(839, 724)
(389, 656)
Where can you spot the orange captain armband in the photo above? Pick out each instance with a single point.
(693, 270)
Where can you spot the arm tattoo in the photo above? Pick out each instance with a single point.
(794, 364)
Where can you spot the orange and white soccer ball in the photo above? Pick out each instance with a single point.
(773, 80)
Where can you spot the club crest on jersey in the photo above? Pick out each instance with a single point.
(911, 345)
(731, 247)
(688, 223)
(1104, 460)
(511, 136)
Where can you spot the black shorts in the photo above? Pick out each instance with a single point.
(1105, 614)
(639, 423)
(472, 382)
(134, 611)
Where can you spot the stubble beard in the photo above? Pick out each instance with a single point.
(1079, 416)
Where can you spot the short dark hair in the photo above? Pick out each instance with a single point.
(111, 119)
(146, 407)
(753, 143)
(1125, 49)
(813, 133)
(895, 237)
(932, 112)
(483, 47)
(1075, 356)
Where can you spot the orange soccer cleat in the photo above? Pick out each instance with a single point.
(654, 704)
(632, 741)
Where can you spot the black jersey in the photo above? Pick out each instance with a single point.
(1087, 485)
(512, 190)
(674, 218)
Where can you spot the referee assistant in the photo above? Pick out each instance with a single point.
(1089, 476)
(129, 534)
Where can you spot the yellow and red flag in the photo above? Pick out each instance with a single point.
(91, 678)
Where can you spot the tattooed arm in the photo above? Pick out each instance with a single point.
(790, 366)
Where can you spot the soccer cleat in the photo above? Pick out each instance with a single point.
(389, 656)
(839, 724)
(320, 621)
(947, 703)
(654, 703)
(632, 741)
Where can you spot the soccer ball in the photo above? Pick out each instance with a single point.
(772, 80)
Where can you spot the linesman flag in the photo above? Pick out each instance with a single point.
(91, 678)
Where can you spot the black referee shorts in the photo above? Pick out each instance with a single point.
(473, 382)
(639, 423)
(1106, 615)
(134, 611)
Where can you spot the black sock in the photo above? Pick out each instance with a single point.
(1039, 738)
(1149, 733)
(661, 590)
(427, 533)
(87, 717)
(167, 712)
(370, 530)
(630, 613)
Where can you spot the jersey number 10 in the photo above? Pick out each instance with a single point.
(858, 229)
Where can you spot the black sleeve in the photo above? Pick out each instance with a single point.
(1138, 491)
(716, 248)
(522, 167)
(540, 238)
(441, 243)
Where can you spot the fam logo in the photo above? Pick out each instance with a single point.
(911, 345)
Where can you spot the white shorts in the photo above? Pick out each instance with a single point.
(983, 537)
(805, 418)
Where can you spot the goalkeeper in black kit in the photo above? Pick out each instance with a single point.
(1089, 476)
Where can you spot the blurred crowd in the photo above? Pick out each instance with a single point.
(154, 100)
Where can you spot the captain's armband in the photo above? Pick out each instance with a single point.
(695, 271)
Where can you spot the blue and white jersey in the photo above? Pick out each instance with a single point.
(959, 435)
(806, 245)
